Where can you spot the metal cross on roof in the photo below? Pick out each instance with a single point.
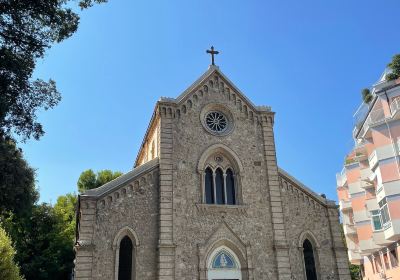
(212, 52)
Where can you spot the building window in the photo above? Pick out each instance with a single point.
(230, 188)
(309, 260)
(376, 219)
(209, 186)
(393, 257)
(384, 211)
(216, 121)
(125, 259)
(219, 186)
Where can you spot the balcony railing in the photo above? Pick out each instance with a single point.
(395, 106)
(376, 116)
(345, 205)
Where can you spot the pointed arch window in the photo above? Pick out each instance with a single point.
(309, 260)
(125, 259)
(230, 188)
(125, 246)
(220, 186)
(209, 186)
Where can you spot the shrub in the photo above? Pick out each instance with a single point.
(8, 268)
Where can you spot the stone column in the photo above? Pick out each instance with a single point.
(84, 247)
(166, 261)
(278, 225)
(338, 248)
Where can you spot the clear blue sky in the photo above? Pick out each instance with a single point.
(307, 59)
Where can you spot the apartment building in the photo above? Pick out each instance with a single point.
(369, 185)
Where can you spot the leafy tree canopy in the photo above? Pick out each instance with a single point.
(27, 30)
(43, 251)
(395, 66)
(65, 210)
(8, 268)
(89, 180)
(17, 180)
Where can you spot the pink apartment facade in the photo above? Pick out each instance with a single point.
(369, 185)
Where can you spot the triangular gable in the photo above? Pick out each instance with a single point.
(209, 74)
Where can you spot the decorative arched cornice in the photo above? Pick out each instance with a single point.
(125, 231)
(310, 236)
(223, 149)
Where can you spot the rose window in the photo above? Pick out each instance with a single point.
(216, 121)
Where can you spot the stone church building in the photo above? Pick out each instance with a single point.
(207, 200)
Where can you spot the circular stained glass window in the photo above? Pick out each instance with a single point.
(216, 121)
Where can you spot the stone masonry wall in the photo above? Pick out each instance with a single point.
(194, 223)
(305, 217)
(136, 206)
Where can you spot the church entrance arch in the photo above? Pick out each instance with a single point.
(223, 264)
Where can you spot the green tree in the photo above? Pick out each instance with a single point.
(44, 249)
(395, 67)
(65, 209)
(366, 95)
(27, 30)
(89, 180)
(17, 180)
(8, 268)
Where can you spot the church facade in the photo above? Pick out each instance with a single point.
(207, 200)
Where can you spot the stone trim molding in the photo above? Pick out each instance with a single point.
(125, 231)
(311, 237)
(316, 248)
(223, 149)
(224, 209)
(224, 236)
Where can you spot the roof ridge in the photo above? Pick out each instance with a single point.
(124, 178)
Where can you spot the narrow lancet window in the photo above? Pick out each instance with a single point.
(125, 259)
(209, 186)
(230, 188)
(309, 260)
(219, 186)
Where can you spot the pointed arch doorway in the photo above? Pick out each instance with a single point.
(223, 264)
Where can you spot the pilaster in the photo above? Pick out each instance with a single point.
(166, 261)
(84, 247)
(278, 225)
(338, 247)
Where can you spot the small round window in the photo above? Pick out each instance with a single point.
(216, 121)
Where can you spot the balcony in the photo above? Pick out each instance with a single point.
(379, 238)
(355, 188)
(392, 230)
(354, 256)
(349, 229)
(365, 173)
(373, 160)
(345, 205)
(367, 184)
(395, 108)
(371, 204)
(376, 117)
(341, 178)
(387, 189)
